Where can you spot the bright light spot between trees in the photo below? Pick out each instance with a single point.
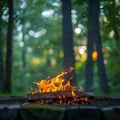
(82, 49)
(37, 34)
(77, 30)
(111, 34)
(21, 44)
(56, 4)
(23, 5)
(29, 49)
(5, 15)
(19, 28)
(47, 13)
(105, 61)
(36, 60)
(51, 51)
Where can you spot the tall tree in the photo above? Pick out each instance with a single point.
(7, 82)
(24, 49)
(2, 4)
(68, 37)
(100, 61)
(90, 47)
(94, 43)
(1, 62)
(23, 37)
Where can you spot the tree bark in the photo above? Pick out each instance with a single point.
(2, 5)
(24, 48)
(94, 43)
(100, 61)
(68, 37)
(1, 69)
(8, 81)
(90, 48)
(1, 58)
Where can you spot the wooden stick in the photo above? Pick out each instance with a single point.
(57, 95)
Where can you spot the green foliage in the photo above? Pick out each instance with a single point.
(40, 23)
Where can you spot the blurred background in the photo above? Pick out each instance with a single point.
(32, 40)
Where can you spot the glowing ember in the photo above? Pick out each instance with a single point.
(74, 95)
(57, 83)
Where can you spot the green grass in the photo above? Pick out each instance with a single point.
(14, 94)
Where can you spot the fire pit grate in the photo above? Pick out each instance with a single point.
(84, 100)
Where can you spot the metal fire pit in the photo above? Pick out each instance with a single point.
(52, 98)
(24, 108)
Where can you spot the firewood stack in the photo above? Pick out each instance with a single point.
(60, 97)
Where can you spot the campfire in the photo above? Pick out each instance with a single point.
(56, 98)
(58, 83)
(58, 90)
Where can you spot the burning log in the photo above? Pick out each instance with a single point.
(58, 90)
(55, 95)
(60, 97)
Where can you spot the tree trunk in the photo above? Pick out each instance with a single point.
(1, 56)
(101, 68)
(24, 48)
(68, 37)
(90, 48)
(94, 43)
(1, 69)
(1, 48)
(116, 35)
(7, 82)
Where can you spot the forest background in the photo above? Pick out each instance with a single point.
(37, 43)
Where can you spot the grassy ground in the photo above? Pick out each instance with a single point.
(14, 94)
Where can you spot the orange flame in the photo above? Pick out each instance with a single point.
(57, 83)
(74, 95)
